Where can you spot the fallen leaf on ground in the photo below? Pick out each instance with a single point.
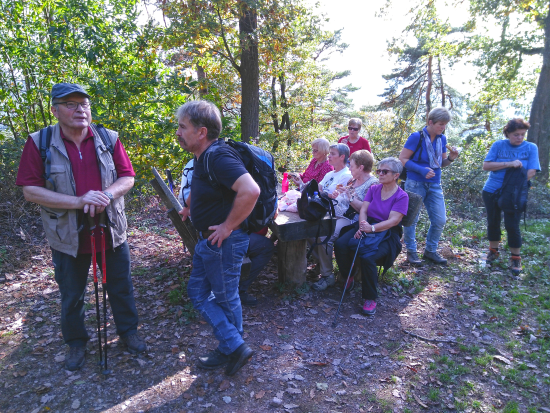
(265, 348)
(502, 359)
(260, 394)
(224, 385)
(419, 401)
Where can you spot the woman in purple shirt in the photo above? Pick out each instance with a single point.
(378, 232)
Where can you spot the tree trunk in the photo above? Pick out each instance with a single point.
(274, 115)
(539, 133)
(285, 121)
(441, 85)
(250, 74)
(429, 88)
(201, 77)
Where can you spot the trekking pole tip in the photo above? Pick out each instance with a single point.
(106, 372)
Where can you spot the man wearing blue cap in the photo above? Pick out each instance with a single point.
(79, 173)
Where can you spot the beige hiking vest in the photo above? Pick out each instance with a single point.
(61, 225)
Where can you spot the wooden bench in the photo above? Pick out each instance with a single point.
(186, 230)
(292, 232)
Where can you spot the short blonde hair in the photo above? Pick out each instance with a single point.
(363, 157)
(322, 144)
(356, 121)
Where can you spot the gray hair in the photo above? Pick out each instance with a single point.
(395, 164)
(202, 113)
(342, 149)
(439, 115)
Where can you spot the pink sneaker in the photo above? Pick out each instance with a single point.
(350, 284)
(369, 307)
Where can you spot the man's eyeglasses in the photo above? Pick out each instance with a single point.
(73, 105)
(383, 171)
(353, 129)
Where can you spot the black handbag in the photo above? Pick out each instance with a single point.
(314, 208)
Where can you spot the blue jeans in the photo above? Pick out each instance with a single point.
(71, 275)
(260, 251)
(217, 271)
(432, 194)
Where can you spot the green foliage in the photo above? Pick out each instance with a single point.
(99, 45)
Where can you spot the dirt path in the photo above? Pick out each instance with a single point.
(302, 363)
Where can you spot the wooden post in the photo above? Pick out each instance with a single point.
(291, 261)
(292, 232)
(185, 229)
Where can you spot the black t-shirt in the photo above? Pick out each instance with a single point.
(210, 205)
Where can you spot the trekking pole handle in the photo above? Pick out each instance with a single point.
(91, 222)
(103, 219)
(170, 180)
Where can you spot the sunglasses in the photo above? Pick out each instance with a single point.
(383, 171)
(352, 128)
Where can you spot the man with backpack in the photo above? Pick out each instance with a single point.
(260, 248)
(71, 169)
(512, 162)
(219, 210)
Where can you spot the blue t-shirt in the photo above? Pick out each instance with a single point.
(420, 160)
(503, 151)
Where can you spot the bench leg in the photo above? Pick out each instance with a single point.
(292, 263)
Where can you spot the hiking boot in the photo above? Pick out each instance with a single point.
(213, 360)
(350, 285)
(135, 343)
(369, 307)
(515, 265)
(412, 258)
(76, 358)
(435, 257)
(324, 283)
(248, 300)
(238, 359)
(492, 256)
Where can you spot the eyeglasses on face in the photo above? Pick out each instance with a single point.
(315, 150)
(383, 171)
(73, 105)
(352, 128)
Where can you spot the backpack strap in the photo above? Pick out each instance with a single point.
(45, 154)
(104, 135)
(419, 146)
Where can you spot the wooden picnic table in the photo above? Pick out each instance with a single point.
(292, 233)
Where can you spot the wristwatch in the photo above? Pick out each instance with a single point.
(109, 195)
(372, 229)
(449, 159)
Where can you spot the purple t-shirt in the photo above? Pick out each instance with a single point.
(380, 210)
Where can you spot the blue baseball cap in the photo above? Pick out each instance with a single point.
(63, 89)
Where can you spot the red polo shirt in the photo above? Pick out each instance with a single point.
(86, 173)
(361, 143)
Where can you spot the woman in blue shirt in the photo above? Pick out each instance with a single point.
(424, 155)
(512, 152)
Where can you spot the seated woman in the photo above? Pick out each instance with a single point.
(378, 233)
(319, 165)
(350, 197)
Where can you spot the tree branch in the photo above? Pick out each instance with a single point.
(229, 55)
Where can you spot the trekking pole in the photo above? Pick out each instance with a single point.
(91, 224)
(170, 180)
(349, 275)
(102, 226)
